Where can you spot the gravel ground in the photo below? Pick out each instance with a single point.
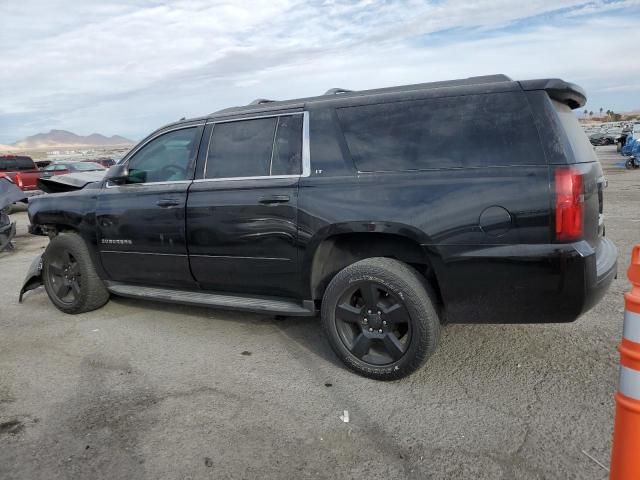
(144, 390)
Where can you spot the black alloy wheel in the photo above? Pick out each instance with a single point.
(381, 318)
(64, 276)
(373, 323)
(69, 276)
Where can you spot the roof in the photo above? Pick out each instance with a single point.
(558, 89)
(264, 104)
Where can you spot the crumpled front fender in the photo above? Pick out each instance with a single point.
(34, 277)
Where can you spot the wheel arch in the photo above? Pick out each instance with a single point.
(53, 229)
(340, 245)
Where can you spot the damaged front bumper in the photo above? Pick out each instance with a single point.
(34, 277)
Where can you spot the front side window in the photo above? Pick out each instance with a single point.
(256, 148)
(167, 158)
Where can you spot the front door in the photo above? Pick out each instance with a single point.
(141, 222)
(242, 212)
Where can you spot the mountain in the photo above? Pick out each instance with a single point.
(62, 138)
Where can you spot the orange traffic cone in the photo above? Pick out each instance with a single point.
(625, 458)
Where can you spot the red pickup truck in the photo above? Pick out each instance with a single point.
(23, 171)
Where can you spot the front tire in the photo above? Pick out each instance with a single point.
(69, 276)
(380, 317)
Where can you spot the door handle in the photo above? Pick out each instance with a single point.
(271, 199)
(167, 202)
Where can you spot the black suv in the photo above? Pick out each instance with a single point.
(390, 211)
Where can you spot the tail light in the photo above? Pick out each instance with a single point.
(569, 204)
(18, 180)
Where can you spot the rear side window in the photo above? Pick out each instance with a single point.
(287, 148)
(451, 132)
(256, 148)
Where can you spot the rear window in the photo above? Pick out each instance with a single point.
(12, 164)
(580, 144)
(452, 132)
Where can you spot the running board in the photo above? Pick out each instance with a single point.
(274, 306)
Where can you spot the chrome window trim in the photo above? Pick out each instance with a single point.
(132, 153)
(273, 146)
(234, 179)
(172, 182)
(306, 150)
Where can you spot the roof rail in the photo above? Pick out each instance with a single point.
(337, 90)
(259, 101)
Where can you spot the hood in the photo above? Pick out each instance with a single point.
(70, 181)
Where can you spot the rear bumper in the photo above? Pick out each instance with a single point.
(553, 283)
(606, 269)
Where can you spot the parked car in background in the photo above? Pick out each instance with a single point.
(62, 168)
(601, 139)
(387, 211)
(104, 161)
(23, 171)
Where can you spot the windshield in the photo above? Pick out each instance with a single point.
(86, 166)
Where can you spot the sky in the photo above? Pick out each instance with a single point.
(126, 67)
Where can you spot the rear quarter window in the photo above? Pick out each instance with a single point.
(580, 144)
(451, 132)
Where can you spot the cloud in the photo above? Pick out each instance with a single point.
(127, 67)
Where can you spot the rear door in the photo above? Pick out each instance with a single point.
(242, 211)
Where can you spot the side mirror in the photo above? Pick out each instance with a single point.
(117, 174)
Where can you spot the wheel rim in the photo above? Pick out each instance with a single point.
(373, 323)
(63, 272)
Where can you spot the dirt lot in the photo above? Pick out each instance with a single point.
(143, 390)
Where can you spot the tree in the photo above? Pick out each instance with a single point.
(591, 113)
(586, 112)
(600, 111)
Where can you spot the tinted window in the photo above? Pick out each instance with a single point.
(452, 132)
(7, 164)
(582, 148)
(166, 158)
(241, 149)
(256, 148)
(16, 163)
(287, 148)
(25, 163)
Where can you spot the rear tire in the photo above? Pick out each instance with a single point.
(70, 277)
(380, 317)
